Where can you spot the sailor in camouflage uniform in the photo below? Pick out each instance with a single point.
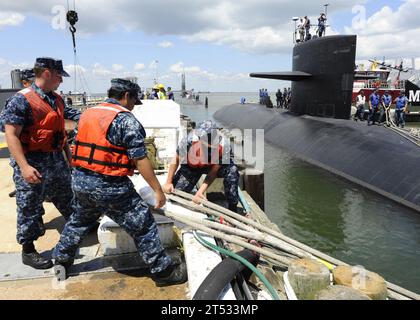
(27, 78)
(204, 151)
(33, 120)
(109, 145)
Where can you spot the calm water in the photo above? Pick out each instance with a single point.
(332, 215)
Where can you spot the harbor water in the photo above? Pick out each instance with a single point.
(329, 213)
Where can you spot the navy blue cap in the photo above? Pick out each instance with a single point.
(126, 85)
(51, 63)
(27, 74)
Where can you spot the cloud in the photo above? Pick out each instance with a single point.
(153, 64)
(390, 33)
(260, 40)
(11, 19)
(166, 44)
(96, 78)
(262, 26)
(117, 67)
(180, 68)
(139, 67)
(71, 68)
(100, 71)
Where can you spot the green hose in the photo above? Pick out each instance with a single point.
(233, 255)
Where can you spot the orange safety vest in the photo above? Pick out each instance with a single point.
(47, 133)
(198, 159)
(93, 151)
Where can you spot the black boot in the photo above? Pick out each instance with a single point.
(94, 228)
(233, 207)
(32, 258)
(173, 275)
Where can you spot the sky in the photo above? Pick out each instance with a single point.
(217, 43)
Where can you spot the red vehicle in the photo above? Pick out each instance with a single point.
(378, 78)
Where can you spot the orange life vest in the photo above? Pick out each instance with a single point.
(198, 158)
(93, 151)
(47, 133)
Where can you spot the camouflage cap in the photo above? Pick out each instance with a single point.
(126, 85)
(27, 74)
(51, 63)
(207, 128)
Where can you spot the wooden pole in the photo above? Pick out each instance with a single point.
(277, 258)
(253, 235)
(394, 291)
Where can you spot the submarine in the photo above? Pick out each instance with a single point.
(317, 127)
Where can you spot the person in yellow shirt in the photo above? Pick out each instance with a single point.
(162, 92)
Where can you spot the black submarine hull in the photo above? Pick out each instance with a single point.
(318, 130)
(373, 157)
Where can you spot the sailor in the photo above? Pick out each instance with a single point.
(301, 28)
(155, 93)
(161, 92)
(171, 95)
(84, 99)
(69, 100)
(386, 102)
(204, 151)
(321, 24)
(35, 133)
(360, 105)
(27, 77)
(109, 145)
(401, 107)
(307, 26)
(374, 101)
(266, 96)
(279, 98)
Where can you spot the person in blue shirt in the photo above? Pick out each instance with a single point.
(307, 26)
(279, 98)
(170, 94)
(374, 102)
(322, 24)
(204, 151)
(386, 102)
(401, 107)
(102, 186)
(36, 144)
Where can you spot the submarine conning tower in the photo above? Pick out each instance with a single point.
(323, 76)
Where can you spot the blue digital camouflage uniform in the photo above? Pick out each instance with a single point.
(56, 176)
(187, 177)
(98, 194)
